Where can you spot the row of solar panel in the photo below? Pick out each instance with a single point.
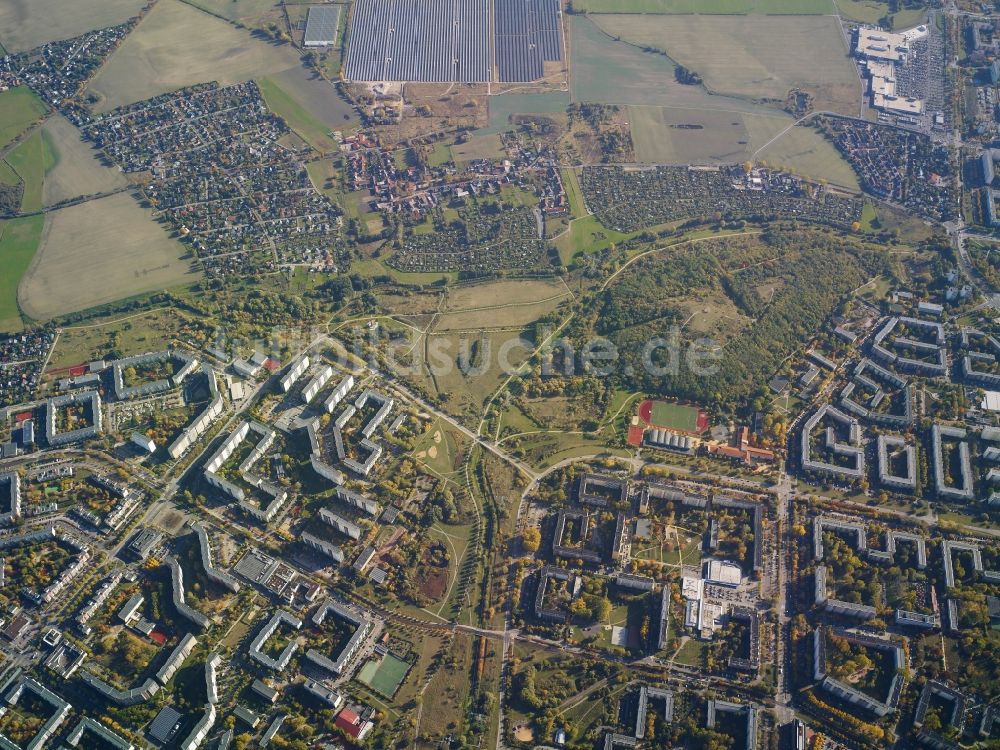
(449, 40)
(528, 35)
(432, 40)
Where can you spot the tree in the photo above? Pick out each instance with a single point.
(531, 540)
(601, 609)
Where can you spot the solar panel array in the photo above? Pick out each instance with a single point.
(527, 35)
(321, 25)
(450, 40)
(420, 40)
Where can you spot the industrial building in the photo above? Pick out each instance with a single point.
(321, 26)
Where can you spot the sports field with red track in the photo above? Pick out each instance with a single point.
(676, 417)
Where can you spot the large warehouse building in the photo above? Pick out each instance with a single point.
(321, 25)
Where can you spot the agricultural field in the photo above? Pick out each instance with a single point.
(765, 57)
(707, 7)
(177, 45)
(665, 135)
(30, 160)
(19, 108)
(244, 12)
(75, 169)
(310, 106)
(613, 72)
(99, 252)
(802, 151)
(18, 241)
(25, 24)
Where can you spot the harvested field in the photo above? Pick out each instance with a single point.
(99, 252)
(76, 169)
(19, 108)
(246, 12)
(309, 105)
(765, 56)
(25, 24)
(612, 72)
(177, 45)
(663, 135)
(802, 151)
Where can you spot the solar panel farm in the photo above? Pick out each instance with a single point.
(469, 41)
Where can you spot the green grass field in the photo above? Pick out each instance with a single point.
(708, 7)
(865, 11)
(297, 117)
(505, 105)
(675, 416)
(31, 160)
(19, 108)
(587, 235)
(19, 240)
(385, 676)
(692, 653)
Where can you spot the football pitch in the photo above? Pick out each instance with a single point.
(384, 677)
(673, 416)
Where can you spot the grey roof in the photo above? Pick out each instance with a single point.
(321, 25)
(165, 724)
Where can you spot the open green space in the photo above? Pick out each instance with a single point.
(19, 108)
(30, 160)
(19, 240)
(297, 117)
(800, 150)
(503, 106)
(692, 653)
